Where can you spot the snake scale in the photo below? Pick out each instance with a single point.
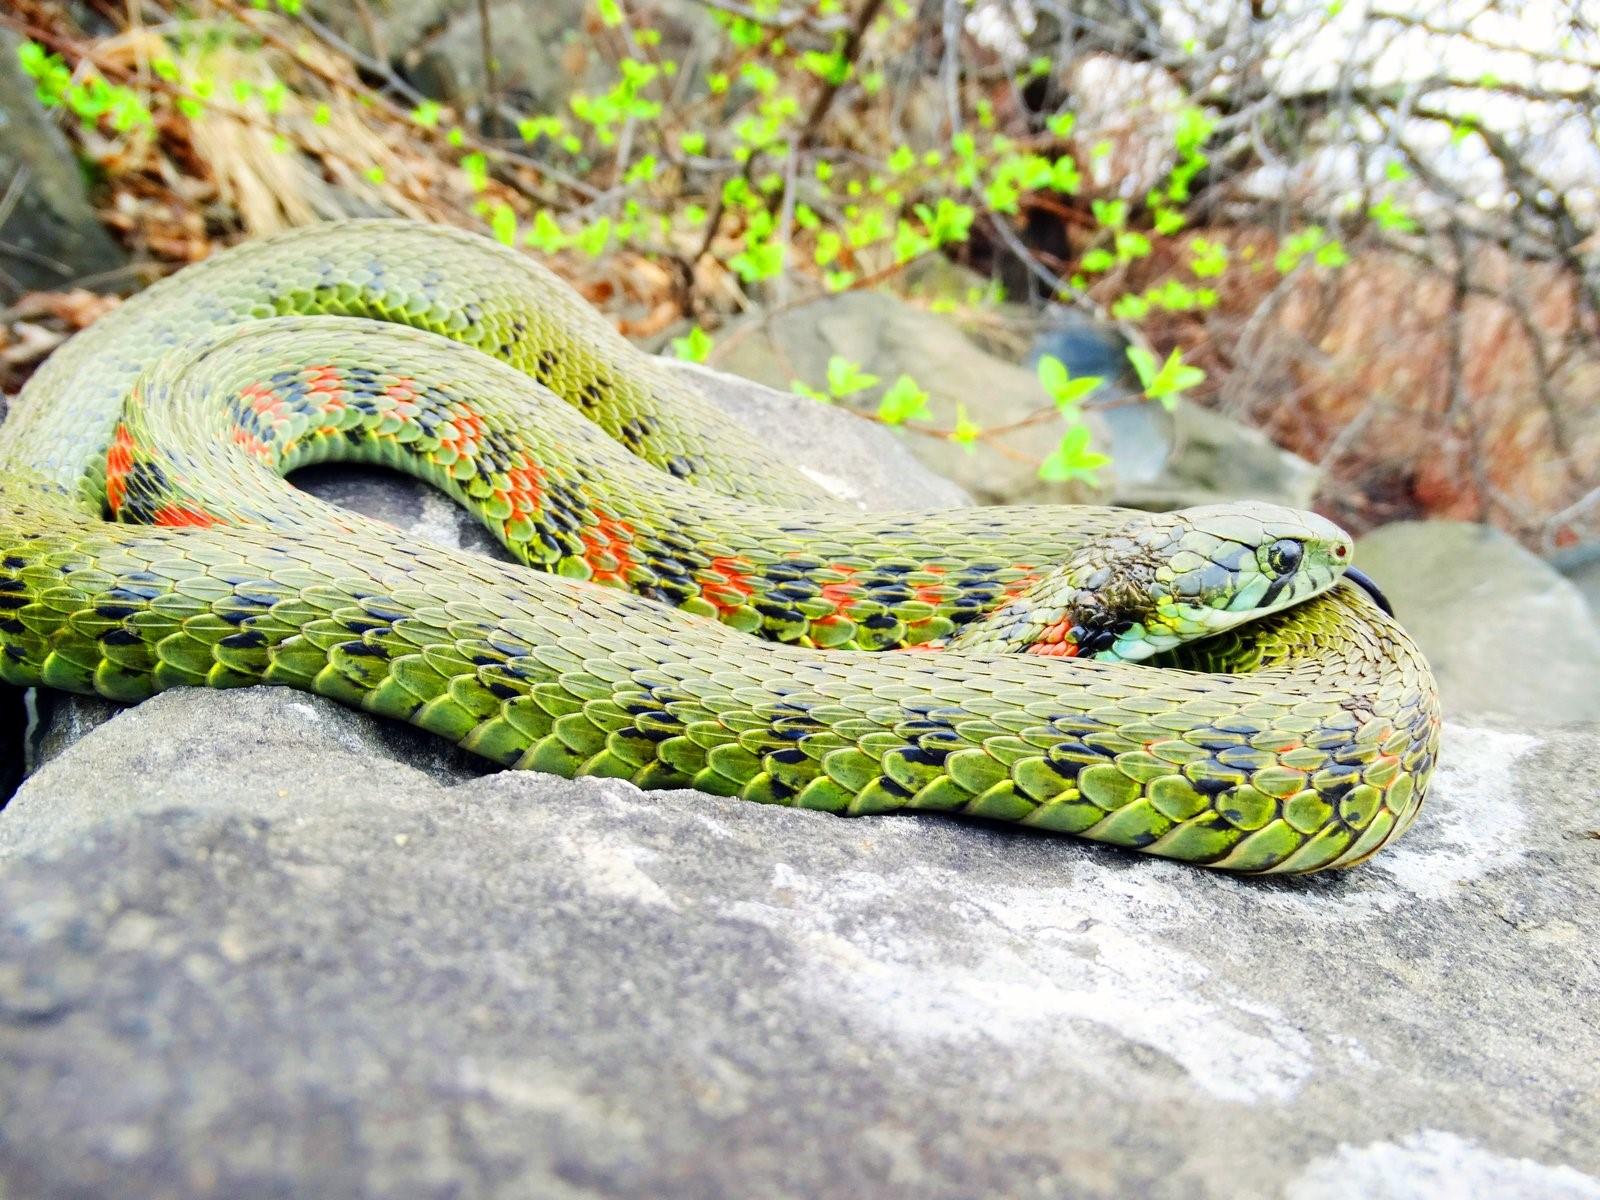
(1301, 739)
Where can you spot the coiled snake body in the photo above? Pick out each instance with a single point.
(1301, 740)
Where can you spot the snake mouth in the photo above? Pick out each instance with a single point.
(1364, 581)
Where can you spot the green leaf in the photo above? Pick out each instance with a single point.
(642, 171)
(1065, 390)
(695, 346)
(610, 12)
(966, 432)
(476, 165)
(909, 243)
(1112, 214)
(1062, 124)
(1392, 216)
(545, 235)
(903, 401)
(1064, 176)
(594, 237)
(1073, 457)
(693, 142)
(1168, 381)
(760, 259)
(1130, 307)
(1097, 260)
(1169, 220)
(1210, 258)
(846, 378)
(504, 225)
(1132, 245)
(1331, 254)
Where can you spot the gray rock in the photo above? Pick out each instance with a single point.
(290, 951)
(52, 236)
(857, 460)
(1582, 566)
(1504, 632)
(1159, 459)
(888, 337)
(1192, 455)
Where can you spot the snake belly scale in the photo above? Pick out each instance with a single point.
(1301, 740)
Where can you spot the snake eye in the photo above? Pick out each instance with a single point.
(1283, 556)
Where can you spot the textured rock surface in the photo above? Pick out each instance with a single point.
(1158, 460)
(1582, 566)
(888, 337)
(52, 224)
(254, 945)
(1504, 631)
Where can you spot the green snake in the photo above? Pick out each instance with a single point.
(1300, 734)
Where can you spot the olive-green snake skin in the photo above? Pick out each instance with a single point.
(1301, 740)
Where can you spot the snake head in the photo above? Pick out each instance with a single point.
(1168, 578)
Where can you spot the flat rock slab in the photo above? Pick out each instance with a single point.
(1504, 631)
(264, 954)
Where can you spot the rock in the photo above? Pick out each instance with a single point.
(1504, 631)
(1159, 459)
(296, 952)
(56, 236)
(855, 459)
(1195, 456)
(888, 337)
(1581, 564)
(1165, 460)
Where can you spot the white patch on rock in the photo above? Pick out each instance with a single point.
(1477, 822)
(1472, 823)
(1435, 1165)
(614, 869)
(1027, 967)
(439, 520)
(841, 488)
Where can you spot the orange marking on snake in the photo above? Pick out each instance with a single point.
(119, 461)
(609, 541)
(262, 399)
(1017, 586)
(179, 514)
(253, 445)
(468, 426)
(1054, 642)
(524, 488)
(403, 392)
(726, 582)
(840, 594)
(324, 380)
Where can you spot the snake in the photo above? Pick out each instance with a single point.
(680, 607)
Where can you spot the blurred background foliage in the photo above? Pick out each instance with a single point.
(1348, 246)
